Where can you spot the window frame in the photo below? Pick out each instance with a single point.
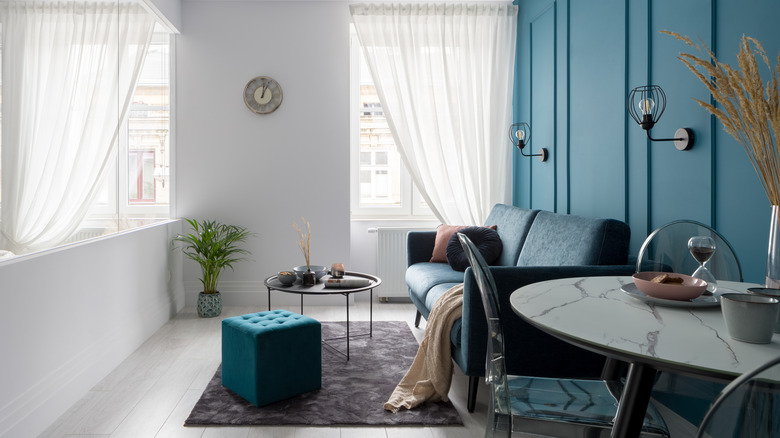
(412, 205)
(118, 204)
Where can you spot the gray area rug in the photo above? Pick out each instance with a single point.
(353, 392)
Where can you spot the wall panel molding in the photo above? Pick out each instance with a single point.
(536, 182)
(600, 50)
(563, 88)
(713, 123)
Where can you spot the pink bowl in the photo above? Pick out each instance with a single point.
(689, 289)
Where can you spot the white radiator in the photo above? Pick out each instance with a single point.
(391, 261)
(88, 233)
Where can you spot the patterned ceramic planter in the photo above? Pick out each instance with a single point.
(209, 305)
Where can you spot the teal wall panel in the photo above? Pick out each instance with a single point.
(542, 116)
(638, 187)
(596, 149)
(576, 62)
(536, 35)
(681, 181)
(741, 206)
(561, 157)
(521, 169)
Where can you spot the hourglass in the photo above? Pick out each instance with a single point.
(702, 248)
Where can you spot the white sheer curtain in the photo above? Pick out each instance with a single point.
(444, 75)
(69, 70)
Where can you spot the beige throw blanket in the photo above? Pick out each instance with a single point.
(430, 375)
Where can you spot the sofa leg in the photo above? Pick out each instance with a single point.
(417, 319)
(471, 403)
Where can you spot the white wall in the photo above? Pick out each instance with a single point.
(71, 315)
(169, 11)
(265, 172)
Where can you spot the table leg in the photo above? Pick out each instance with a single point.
(633, 404)
(612, 370)
(269, 298)
(371, 313)
(301, 304)
(347, 297)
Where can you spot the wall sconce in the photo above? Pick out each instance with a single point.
(520, 135)
(650, 101)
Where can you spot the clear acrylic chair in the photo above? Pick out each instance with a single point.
(666, 249)
(546, 406)
(748, 407)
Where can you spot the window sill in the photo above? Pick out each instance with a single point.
(416, 219)
(8, 257)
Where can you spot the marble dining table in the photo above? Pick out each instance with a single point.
(599, 314)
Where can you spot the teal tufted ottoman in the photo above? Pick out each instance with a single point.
(271, 356)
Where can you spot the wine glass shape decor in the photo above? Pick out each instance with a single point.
(702, 249)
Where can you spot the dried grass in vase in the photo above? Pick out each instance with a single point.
(304, 241)
(748, 109)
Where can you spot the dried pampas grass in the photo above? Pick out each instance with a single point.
(304, 240)
(748, 109)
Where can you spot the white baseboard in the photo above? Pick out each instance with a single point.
(255, 294)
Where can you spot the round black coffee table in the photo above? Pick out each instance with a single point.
(272, 283)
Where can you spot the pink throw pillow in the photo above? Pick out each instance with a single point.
(443, 235)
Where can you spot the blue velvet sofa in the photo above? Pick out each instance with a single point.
(537, 246)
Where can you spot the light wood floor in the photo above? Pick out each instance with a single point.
(153, 391)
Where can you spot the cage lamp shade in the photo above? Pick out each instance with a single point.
(646, 105)
(520, 136)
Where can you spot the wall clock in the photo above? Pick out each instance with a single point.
(263, 95)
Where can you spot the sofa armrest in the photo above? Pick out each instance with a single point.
(528, 350)
(419, 246)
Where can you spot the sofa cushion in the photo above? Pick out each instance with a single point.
(485, 239)
(512, 224)
(568, 240)
(421, 277)
(443, 235)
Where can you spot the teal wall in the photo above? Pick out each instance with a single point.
(576, 62)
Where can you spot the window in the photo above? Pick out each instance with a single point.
(146, 144)
(381, 187)
(138, 190)
(136, 186)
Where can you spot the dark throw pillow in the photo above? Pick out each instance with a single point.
(443, 235)
(485, 239)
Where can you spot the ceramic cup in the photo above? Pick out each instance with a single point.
(749, 317)
(770, 292)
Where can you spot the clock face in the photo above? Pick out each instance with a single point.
(263, 95)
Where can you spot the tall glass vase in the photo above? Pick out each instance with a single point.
(773, 252)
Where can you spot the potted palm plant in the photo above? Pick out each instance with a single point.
(215, 246)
